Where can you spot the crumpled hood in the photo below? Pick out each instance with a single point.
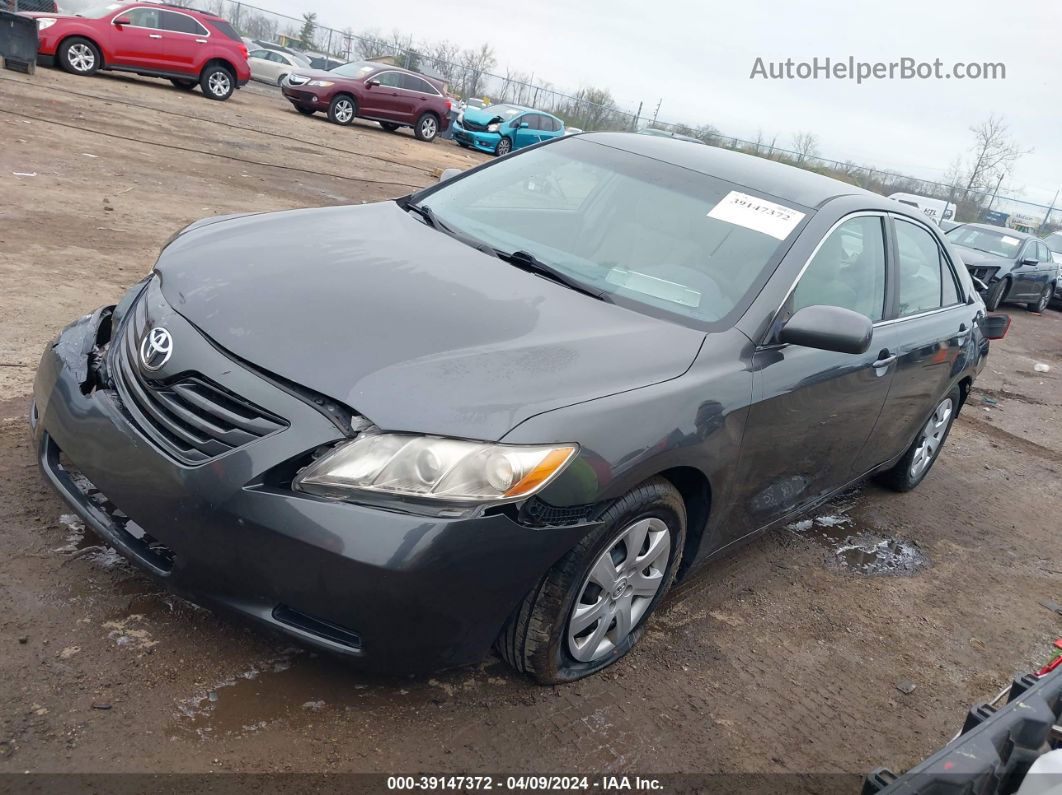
(973, 258)
(406, 325)
(483, 116)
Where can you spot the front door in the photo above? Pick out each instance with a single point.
(384, 98)
(138, 45)
(813, 410)
(531, 134)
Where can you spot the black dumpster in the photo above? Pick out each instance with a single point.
(18, 42)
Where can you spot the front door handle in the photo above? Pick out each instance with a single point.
(200, 41)
(154, 35)
(884, 359)
(963, 334)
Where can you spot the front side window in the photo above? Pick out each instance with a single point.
(143, 17)
(847, 271)
(390, 79)
(655, 237)
(921, 267)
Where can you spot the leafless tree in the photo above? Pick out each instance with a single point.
(806, 145)
(475, 63)
(994, 154)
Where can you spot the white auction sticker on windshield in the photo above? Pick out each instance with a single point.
(759, 215)
(1010, 241)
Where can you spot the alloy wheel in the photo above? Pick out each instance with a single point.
(619, 589)
(504, 146)
(344, 111)
(219, 83)
(81, 57)
(1045, 299)
(428, 128)
(931, 438)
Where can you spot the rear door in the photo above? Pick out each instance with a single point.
(813, 410)
(183, 36)
(1026, 277)
(928, 338)
(137, 45)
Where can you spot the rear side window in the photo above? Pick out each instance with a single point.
(414, 83)
(847, 271)
(181, 23)
(225, 29)
(926, 280)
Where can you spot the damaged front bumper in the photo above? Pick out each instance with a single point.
(398, 591)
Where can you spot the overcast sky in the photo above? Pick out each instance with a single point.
(697, 56)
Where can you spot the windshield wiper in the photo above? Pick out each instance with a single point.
(527, 261)
(425, 212)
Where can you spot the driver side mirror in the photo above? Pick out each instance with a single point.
(828, 328)
(1029, 261)
(523, 125)
(119, 21)
(372, 83)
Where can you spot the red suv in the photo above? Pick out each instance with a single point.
(152, 39)
(394, 97)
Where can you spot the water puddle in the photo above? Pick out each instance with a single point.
(858, 549)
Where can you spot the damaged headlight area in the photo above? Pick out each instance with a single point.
(433, 468)
(492, 128)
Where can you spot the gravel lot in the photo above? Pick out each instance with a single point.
(783, 657)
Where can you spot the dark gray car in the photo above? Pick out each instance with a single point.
(1015, 266)
(512, 408)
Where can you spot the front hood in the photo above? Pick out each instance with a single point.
(406, 325)
(973, 258)
(482, 116)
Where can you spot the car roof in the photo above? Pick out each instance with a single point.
(786, 182)
(1006, 229)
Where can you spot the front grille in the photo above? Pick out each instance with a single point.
(190, 418)
(984, 274)
(474, 126)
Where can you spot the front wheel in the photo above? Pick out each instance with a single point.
(184, 85)
(590, 609)
(217, 82)
(1045, 298)
(342, 110)
(910, 470)
(994, 296)
(427, 127)
(504, 147)
(80, 56)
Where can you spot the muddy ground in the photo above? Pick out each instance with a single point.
(786, 656)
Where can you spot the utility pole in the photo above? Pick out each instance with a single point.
(1050, 209)
(657, 111)
(637, 118)
(994, 192)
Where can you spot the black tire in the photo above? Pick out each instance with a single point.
(342, 109)
(535, 638)
(217, 82)
(1045, 298)
(80, 56)
(305, 111)
(390, 126)
(504, 147)
(902, 477)
(995, 294)
(462, 144)
(427, 127)
(184, 85)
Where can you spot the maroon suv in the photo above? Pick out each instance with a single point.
(394, 97)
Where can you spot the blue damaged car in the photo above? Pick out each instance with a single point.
(499, 129)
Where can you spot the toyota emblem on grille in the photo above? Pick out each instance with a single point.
(156, 348)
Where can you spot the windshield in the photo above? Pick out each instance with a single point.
(655, 237)
(97, 11)
(986, 240)
(356, 69)
(505, 111)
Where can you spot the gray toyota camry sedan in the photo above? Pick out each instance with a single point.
(512, 408)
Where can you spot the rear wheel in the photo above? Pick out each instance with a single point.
(217, 82)
(80, 56)
(994, 296)
(342, 109)
(1045, 298)
(590, 608)
(427, 127)
(909, 471)
(504, 147)
(184, 85)
(390, 126)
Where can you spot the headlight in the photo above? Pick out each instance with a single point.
(461, 117)
(45, 22)
(492, 128)
(321, 83)
(431, 467)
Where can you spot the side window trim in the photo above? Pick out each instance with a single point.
(887, 241)
(942, 252)
(893, 316)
